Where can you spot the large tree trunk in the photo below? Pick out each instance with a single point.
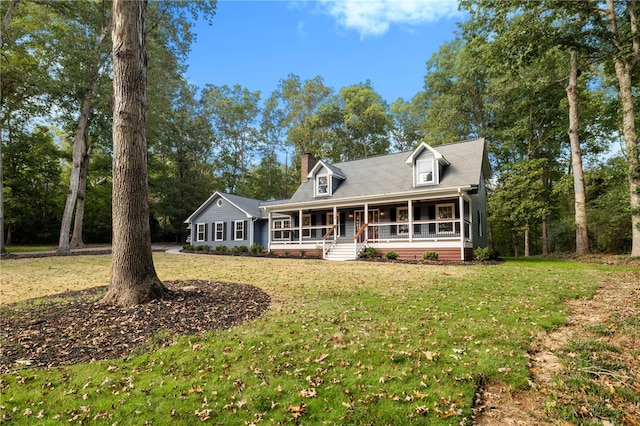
(527, 251)
(133, 276)
(624, 61)
(79, 151)
(80, 143)
(76, 236)
(3, 249)
(5, 23)
(580, 203)
(546, 235)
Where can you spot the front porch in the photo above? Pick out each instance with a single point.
(409, 228)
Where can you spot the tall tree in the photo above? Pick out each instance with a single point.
(133, 275)
(89, 71)
(408, 119)
(580, 201)
(233, 112)
(455, 93)
(624, 38)
(5, 22)
(180, 167)
(355, 124)
(301, 101)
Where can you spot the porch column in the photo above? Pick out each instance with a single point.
(410, 207)
(335, 223)
(300, 226)
(461, 219)
(366, 220)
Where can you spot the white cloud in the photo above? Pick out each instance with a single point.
(374, 17)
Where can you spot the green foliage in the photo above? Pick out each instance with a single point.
(205, 247)
(391, 255)
(240, 249)
(430, 255)
(255, 248)
(188, 247)
(368, 253)
(482, 254)
(221, 248)
(33, 193)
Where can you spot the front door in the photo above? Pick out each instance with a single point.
(374, 217)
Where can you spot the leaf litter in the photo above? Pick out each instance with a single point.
(76, 329)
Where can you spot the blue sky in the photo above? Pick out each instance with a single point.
(258, 43)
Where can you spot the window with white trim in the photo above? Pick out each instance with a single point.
(323, 187)
(280, 229)
(219, 227)
(402, 215)
(425, 171)
(238, 227)
(201, 232)
(306, 224)
(445, 213)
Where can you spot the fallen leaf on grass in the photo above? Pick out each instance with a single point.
(308, 393)
(297, 410)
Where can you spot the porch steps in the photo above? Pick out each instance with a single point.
(341, 252)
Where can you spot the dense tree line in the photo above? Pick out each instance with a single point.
(547, 83)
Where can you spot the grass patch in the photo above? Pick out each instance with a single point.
(344, 343)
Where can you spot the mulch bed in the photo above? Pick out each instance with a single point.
(72, 328)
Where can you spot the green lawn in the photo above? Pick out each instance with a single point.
(343, 343)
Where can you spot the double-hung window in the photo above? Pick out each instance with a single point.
(238, 226)
(322, 185)
(201, 232)
(219, 227)
(425, 172)
(445, 215)
(278, 226)
(403, 216)
(306, 226)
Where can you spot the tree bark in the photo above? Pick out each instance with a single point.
(5, 23)
(580, 203)
(78, 153)
(546, 235)
(76, 236)
(133, 276)
(527, 252)
(624, 61)
(3, 249)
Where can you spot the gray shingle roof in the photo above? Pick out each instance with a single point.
(390, 174)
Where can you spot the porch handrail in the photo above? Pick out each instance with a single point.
(360, 231)
(329, 232)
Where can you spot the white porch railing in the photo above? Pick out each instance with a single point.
(382, 231)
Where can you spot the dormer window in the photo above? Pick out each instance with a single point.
(427, 164)
(326, 179)
(322, 185)
(424, 170)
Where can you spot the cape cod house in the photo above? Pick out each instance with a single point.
(429, 199)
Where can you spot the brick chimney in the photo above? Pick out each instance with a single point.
(307, 162)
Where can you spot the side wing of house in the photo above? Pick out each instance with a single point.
(226, 220)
